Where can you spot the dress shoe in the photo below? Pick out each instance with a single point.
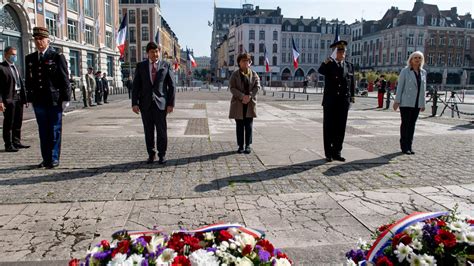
(406, 152)
(42, 164)
(52, 165)
(339, 158)
(328, 159)
(162, 160)
(21, 146)
(247, 150)
(11, 149)
(151, 159)
(240, 150)
(412, 152)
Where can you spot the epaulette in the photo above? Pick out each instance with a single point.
(328, 60)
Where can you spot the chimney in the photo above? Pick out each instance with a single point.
(301, 17)
(454, 10)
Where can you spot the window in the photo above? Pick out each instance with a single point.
(251, 47)
(72, 30)
(303, 43)
(108, 39)
(432, 41)
(261, 35)
(110, 66)
(410, 39)
(51, 23)
(310, 44)
(442, 22)
(420, 40)
(420, 20)
(261, 60)
(399, 57)
(468, 43)
(449, 59)
(275, 35)
(144, 16)
(72, 5)
(91, 61)
(251, 35)
(108, 12)
(132, 18)
(88, 8)
(89, 36)
(433, 21)
(300, 28)
(261, 47)
(133, 35)
(442, 41)
(460, 42)
(451, 42)
(316, 58)
(133, 54)
(458, 60)
(440, 59)
(74, 62)
(303, 58)
(323, 45)
(275, 48)
(145, 34)
(274, 61)
(309, 59)
(430, 59)
(283, 57)
(283, 43)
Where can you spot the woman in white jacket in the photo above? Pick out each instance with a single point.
(410, 98)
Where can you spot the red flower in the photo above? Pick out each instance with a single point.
(147, 238)
(247, 249)
(122, 247)
(224, 235)
(193, 242)
(266, 245)
(471, 222)
(282, 255)
(181, 261)
(440, 223)
(383, 261)
(446, 238)
(384, 227)
(105, 244)
(402, 237)
(74, 262)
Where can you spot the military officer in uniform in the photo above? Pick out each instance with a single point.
(49, 90)
(338, 94)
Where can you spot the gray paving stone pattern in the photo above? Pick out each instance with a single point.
(313, 210)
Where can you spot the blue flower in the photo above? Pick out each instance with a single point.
(264, 255)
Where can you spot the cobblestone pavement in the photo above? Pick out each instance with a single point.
(313, 210)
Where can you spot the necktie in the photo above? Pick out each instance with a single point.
(41, 57)
(17, 78)
(153, 73)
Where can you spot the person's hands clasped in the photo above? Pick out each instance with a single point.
(136, 109)
(246, 99)
(169, 109)
(422, 109)
(395, 106)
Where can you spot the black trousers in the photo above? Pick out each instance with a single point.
(244, 127)
(106, 94)
(12, 120)
(155, 118)
(407, 128)
(334, 128)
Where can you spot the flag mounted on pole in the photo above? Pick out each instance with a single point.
(336, 40)
(157, 36)
(121, 36)
(176, 59)
(296, 54)
(267, 62)
(191, 59)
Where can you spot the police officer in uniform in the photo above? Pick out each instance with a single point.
(49, 90)
(338, 94)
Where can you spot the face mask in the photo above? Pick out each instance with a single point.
(13, 58)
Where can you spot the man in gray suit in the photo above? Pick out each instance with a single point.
(153, 96)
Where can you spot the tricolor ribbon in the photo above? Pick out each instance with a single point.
(382, 241)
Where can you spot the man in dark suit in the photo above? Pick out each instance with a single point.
(49, 90)
(338, 94)
(153, 96)
(12, 99)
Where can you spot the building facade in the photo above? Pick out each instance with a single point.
(83, 30)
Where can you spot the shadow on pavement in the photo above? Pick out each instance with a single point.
(89, 172)
(268, 174)
(361, 164)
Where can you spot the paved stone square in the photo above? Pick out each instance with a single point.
(314, 210)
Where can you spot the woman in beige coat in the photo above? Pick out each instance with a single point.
(244, 84)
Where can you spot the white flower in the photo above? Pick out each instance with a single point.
(416, 260)
(233, 231)
(402, 252)
(461, 237)
(459, 226)
(245, 239)
(232, 246)
(209, 236)
(135, 259)
(430, 260)
(243, 262)
(416, 244)
(470, 238)
(223, 246)
(201, 257)
(92, 251)
(415, 229)
(166, 257)
(350, 262)
(362, 244)
(154, 243)
(119, 260)
(282, 262)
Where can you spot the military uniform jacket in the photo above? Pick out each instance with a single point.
(47, 82)
(338, 82)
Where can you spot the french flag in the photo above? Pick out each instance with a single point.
(267, 62)
(191, 59)
(121, 36)
(176, 59)
(296, 54)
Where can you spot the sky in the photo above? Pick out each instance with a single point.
(189, 18)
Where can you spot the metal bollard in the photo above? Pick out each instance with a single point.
(307, 97)
(434, 107)
(289, 95)
(293, 95)
(282, 95)
(387, 102)
(273, 94)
